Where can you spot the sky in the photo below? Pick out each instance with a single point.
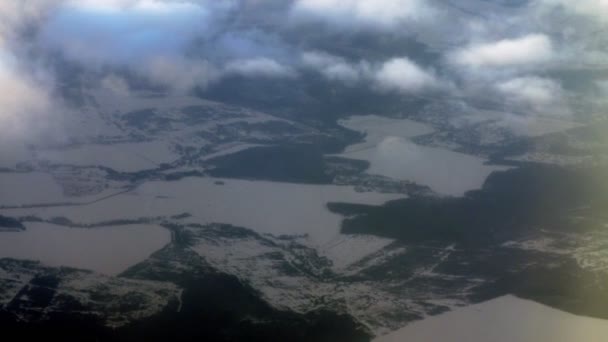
(512, 54)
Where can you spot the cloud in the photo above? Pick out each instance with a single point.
(116, 85)
(536, 94)
(178, 74)
(403, 75)
(149, 37)
(183, 44)
(175, 44)
(602, 86)
(527, 50)
(399, 75)
(21, 98)
(28, 109)
(335, 68)
(385, 14)
(245, 44)
(259, 67)
(15, 15)
(123, 32)
(29, 113)
(25, 96)
(592, 8)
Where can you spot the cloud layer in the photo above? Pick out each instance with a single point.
(482, 50)
(527, 50)
(383, 14)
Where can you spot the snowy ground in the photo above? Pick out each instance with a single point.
(29, 188)
(505, 319)
(346, 250)
(266, 207)
(126, 157)
(13, 153)
(113, 301)
(39, 188)
(116, 102)
(107, 250)
(290, 276)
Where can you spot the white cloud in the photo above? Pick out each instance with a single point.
(259, 67)
(15, 14)
(592, 8)
(18, 95)
(528, 50)
(377, 13)
(540, 95)
(335, 68)
(403, 75)
(27, 111)
(162, 7)
(177, 73)
(602, 86)
(116, 85)
(395, 75)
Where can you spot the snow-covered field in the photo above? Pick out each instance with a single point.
(266, 207)
(505, 319)
(13, 153)
(345, 250)
(108, 250)
(391, 154)
(112, 101)
(39, 188)
(126, 157)
(29, 188)
(230, 149)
